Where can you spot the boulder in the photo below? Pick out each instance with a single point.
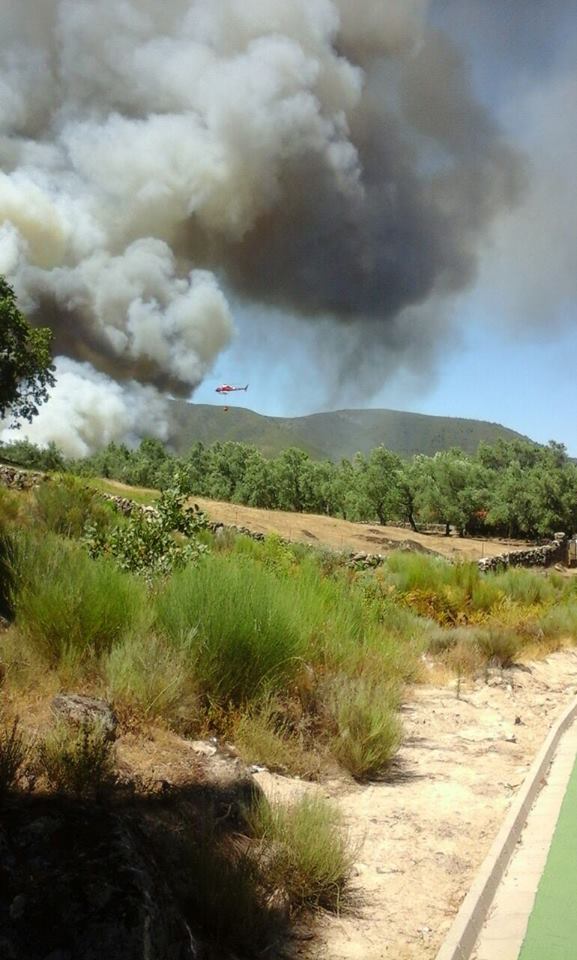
(81, 710)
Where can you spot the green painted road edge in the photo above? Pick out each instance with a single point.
(468, 923)
(552, 929)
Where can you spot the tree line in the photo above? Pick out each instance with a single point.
(510, 488)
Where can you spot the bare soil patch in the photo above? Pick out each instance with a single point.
(423, 834)
(343, 535)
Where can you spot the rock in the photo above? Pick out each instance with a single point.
(203, 748)
(17, 907)
(81, 710)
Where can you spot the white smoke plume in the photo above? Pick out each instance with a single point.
(303, 153)
(87, 410)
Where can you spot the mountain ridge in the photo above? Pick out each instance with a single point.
(333, 435)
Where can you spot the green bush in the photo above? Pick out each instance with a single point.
(77, 761)
(309, 857)
(525, 586)
(65, 505)
(70, 609)
(239, 627)
(155, 543)
(153, 678)
(367, 734)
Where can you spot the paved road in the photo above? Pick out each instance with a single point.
(552, 929)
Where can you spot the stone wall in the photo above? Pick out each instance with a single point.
(16, 479)
(545, 555)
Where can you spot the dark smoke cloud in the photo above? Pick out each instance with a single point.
(436, 172)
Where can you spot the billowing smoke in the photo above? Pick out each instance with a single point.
(327, 157)
(87, 410)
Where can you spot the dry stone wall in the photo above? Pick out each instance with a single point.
(16, 479)
(545, 555)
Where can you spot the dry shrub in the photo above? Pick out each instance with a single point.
(13, 754)
(367, 729)
(464, 658)
(76, 760)
(264, 735)
(499, 645)
(309, 857)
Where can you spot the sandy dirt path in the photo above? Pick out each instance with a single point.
(422, 836)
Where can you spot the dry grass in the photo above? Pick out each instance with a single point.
(318, 530)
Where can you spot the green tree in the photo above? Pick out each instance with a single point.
(380, 482)
(258, 487)
(452, 490)
(408, 485)
(26, 370)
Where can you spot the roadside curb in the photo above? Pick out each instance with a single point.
(466, 927)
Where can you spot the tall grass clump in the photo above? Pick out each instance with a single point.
(13, 753)
(154, 679)
(239, 628)
(70, 609)
(499, 645)
(309, 855)
(448, 593)
(415, 571)
(525, 586)
(7, 573)
(559, 623)
(268, 733)
(367, 729)
(225, 888)
(10, 505)
(65, 505)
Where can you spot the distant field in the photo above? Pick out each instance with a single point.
(325, 531)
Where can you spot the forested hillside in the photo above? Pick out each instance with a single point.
(331, 436)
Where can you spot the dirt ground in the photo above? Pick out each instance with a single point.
(343, 535)
(339, 534)
(422, 835)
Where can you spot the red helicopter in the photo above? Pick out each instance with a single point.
(226, 388)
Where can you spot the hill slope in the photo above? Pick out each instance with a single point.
(331, 435)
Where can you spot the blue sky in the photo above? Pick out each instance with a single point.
(513, 359)
(529, 387)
